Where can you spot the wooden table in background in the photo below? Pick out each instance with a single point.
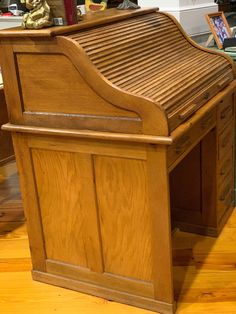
(6, 148)
(10, 199)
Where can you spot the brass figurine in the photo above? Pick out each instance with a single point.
(39, 15)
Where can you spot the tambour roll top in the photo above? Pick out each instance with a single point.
(147, 75)
(149, 56)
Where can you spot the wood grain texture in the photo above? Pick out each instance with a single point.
(106, 280)
(9, 71)
(64, 186)
(146, 109)
(40, 75)
(159, 202)
(115, 295)
(135, 138)
(30, 201)
(124, 216)
(163, 77)
(91, 147)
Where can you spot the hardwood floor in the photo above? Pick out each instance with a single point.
(204, 270)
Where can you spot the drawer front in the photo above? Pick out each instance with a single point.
(225, 196)
(225, 111)
(194, 134)
(226, 140)
(225, 166)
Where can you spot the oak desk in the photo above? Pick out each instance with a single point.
(116, 136)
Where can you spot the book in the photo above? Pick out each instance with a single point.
(64, 12)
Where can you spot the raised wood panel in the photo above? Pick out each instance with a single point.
(124, 216)
(50, 83)
(63, 182)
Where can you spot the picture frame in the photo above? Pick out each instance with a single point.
(219, 27)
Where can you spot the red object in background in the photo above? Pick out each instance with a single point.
(7, 14)
(71, 12)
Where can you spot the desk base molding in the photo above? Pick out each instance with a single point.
(204, 230)
(106, 293)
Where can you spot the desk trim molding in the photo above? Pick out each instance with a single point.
(139, 138)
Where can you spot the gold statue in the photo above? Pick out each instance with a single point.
(39, 15)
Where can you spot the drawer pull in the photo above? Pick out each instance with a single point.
(2, 214)
(187, 112)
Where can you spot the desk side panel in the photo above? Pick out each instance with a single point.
(44, 88)
(92, 211)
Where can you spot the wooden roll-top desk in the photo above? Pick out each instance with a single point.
(123, 130)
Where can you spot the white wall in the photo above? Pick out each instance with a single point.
(190, 13)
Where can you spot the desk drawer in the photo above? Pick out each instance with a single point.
(226, 140)
(225, 196)
(192, 136)
(225, 166)
(225, 111)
